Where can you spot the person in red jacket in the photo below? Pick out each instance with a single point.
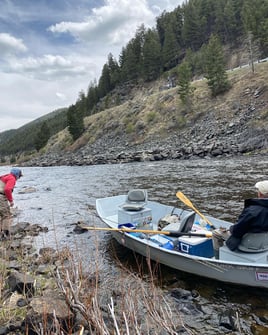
(7, 184)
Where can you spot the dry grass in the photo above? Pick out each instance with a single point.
(121, 304)
(160, 112)
(118, 303)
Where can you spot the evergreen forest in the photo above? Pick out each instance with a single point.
(196, 39)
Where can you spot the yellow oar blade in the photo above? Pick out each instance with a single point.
(184, 199)
(188, 203)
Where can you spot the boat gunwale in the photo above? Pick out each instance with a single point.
(193, 257)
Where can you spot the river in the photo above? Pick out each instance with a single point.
(65, 195)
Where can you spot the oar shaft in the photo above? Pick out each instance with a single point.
(192, 234)
(127, 230)
(148, 231)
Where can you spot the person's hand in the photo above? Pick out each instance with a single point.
(11, 204)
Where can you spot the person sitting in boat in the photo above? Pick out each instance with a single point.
(253, 220)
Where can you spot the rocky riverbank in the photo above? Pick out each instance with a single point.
(154, 125)
(206, 138)
(48, 292)
(27, 281)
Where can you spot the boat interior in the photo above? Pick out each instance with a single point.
(136, 212)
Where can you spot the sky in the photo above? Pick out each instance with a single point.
(51, 50)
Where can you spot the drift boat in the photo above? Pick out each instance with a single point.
(184, 241)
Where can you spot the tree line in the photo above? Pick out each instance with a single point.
(187, 42)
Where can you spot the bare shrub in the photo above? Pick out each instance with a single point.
(123, 303)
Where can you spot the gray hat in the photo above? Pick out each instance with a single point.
(262, 186)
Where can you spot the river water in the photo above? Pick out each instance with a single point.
(65, 195)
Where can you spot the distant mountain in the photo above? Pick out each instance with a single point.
(15, 141)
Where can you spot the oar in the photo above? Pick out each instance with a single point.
(188, 203)
(148, 231)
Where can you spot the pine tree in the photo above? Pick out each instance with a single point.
(151, 56)
(255, 22)
(131, 57)
(104, 86)
(114, 70)
(170, 48)
(92, 97)
(215, 67)
(42, 136)
(264, 37)
(75, 122)
(81, 103)
(184, 82)
(193, 31)
(232, 23)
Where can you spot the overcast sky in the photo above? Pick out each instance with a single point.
(50, 50)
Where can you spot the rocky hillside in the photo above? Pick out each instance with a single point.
(152, 124)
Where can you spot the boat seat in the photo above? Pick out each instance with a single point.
(254, 242)
(183, 226)
(225, 254)
(187, 222)
(136, 200)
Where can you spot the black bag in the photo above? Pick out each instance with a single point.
(233, 242)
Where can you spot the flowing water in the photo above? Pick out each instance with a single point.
(65, 195)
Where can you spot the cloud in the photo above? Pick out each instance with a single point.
(11, 45)
(113, 24)
(61, 96)
(52, 67)
(51, 50)
(158, 7)
(30, 98)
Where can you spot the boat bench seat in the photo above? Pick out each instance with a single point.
(254, 242)
(225, 254)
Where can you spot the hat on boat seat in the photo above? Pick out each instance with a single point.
(254, 242)
(136, 200)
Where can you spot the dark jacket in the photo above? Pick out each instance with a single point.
(253, 219)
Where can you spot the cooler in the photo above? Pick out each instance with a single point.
(198, 246)
(140, 218)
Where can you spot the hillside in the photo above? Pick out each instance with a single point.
(23, 139)
(130, 121)
(153, 124)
